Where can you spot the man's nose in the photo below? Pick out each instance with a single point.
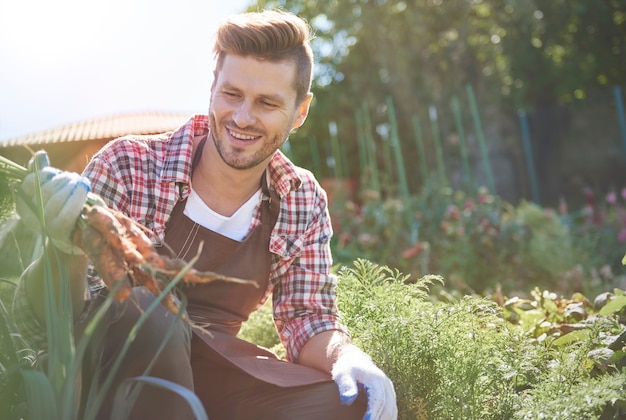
(244, 114)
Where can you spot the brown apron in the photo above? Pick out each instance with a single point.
(223, 305)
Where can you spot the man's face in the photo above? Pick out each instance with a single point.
(253, 109)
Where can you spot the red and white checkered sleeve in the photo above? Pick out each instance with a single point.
(305, 298)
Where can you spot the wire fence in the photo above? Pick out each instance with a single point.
(541, 156)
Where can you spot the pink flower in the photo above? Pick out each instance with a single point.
(611, 197)
(452, 212)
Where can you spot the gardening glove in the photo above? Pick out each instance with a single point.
(63, 195)
(354, 368)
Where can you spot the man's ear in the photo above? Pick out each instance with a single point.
(303, 111)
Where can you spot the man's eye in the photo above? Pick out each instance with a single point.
(230, 94)
(269, 104)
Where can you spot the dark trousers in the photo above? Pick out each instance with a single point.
(226, 392)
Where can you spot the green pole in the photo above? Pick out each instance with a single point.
(315, 156)
(528, 151)
(362, 143)
(434, 123)
(458, 122)
(345, 165)
(371, 149)
(395, 144)
(402, 176)
(388, 163)
(481, 138)
(336, 152)
(419, 139)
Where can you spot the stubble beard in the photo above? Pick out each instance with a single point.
(235, 159)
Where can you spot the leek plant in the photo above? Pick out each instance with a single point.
(28, 389)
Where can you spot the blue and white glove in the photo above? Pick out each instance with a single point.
(354, 368)
(63, 195)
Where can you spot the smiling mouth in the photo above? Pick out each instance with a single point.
(240, 136)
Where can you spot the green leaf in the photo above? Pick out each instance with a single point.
(615, 305)
(106, 385)
(120, 406)
(40, 396)
(571, 337)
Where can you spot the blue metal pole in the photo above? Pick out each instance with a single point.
(528, 151)
(619, 103)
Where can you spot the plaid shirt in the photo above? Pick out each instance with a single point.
(145, 176)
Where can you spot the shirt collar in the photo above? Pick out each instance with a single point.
(179, 152)
(283, 173)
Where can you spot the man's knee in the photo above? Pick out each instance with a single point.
(157, 338)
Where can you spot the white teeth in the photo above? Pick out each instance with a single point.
(241, 136)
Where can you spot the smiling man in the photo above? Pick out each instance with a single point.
(219, 187)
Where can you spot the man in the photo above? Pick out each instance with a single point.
(221, 181)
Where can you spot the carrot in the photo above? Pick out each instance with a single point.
(100, 219)
(120, 248)
(110, 264)
(197, 277)
(105, 221)
(136, 234)
(141, 277)
(123, 251)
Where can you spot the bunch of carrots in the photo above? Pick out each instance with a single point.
(120, 249)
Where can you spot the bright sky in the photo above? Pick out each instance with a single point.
(63, 61)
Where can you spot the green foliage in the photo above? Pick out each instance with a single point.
(603, 394)
(461, 359)
(599, 229)
(18, 247)
(446, 360)
(260, 329)
(28, 389)
(526, 54)
(377, 230)
(478, 241)
(7, 206)
(544, 250)
(467, 357)
(14, 355)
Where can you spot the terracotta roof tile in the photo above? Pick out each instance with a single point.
(103, 128)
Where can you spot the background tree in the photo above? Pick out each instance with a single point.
(537, 55)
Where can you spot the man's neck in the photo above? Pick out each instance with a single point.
(222, 188)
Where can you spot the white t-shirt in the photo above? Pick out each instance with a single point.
(234, 227)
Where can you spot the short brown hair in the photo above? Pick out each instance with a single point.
(272, 35)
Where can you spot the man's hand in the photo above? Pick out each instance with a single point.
(354, 368)
(63, 195)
